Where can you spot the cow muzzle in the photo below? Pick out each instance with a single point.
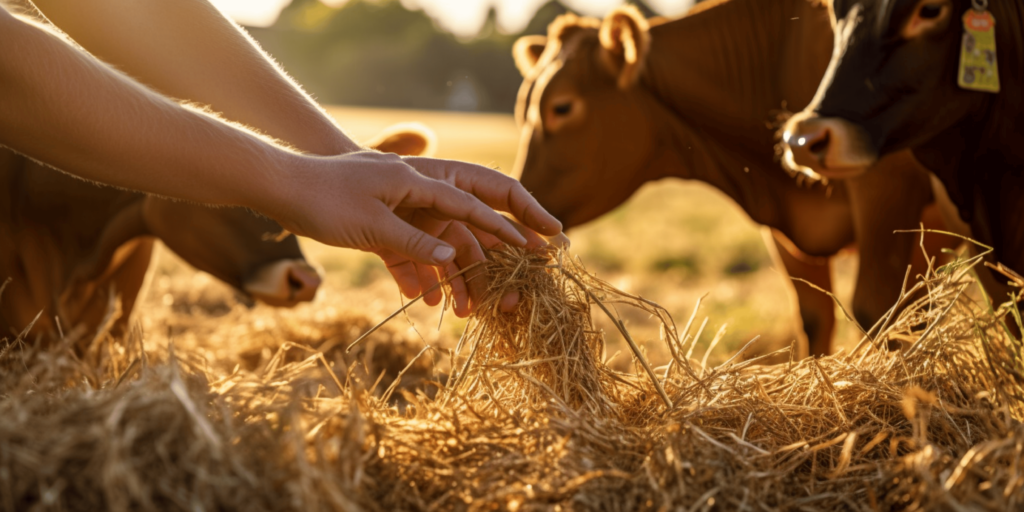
(284, 283)
(832, 147)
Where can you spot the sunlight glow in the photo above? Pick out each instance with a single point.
(253, 13)
(463, 18)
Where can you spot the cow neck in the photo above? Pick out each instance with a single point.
(681, 151)
(979, 158)
(718, 67)
(1004, 130)
(714, 72)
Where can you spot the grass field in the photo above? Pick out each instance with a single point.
(672, 243)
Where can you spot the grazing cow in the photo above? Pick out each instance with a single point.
(68, 245)
(607, 106)
(893, 85)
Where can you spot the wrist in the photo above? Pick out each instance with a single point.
(272, 190)
(331, 141)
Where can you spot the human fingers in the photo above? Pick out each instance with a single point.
(510, 300)
(533, 240)
(403, 271)
(403, 240)
(452, 203)
(495, 189)
(469, 253)
(427, 277)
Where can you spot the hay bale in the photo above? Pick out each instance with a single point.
(533, 418)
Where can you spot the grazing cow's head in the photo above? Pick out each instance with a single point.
(584, 131)
(892, 82)
(236, 246)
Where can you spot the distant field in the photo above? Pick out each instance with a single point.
(488, 139)
(672, 243)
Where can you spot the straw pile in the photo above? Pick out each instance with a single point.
(530, 418)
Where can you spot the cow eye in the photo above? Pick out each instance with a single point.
(563, 109)
(930, 11)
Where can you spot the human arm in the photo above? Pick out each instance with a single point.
(64, 107)
(186, 49)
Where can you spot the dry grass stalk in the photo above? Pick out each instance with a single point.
(531, 419)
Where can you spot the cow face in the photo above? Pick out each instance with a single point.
(891, 85)
(585, 135)
(237, 247)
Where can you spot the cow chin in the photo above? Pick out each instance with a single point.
(831, 172)
(831, 147)
(284, 283)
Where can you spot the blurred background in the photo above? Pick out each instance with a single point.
(448, 65)
(418, 54)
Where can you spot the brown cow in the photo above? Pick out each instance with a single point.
(69, 244)
(896, 87)
(607, 106)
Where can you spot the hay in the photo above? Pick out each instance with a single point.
(531, 417)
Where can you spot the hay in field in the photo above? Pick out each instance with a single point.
(530, 418)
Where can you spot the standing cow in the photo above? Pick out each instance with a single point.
(607, 106)
(67, 245)
(893, 84)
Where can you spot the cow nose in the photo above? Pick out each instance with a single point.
(828, 146)
(284, 283)
(809, 143)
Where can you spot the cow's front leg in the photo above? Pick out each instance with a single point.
(816, 322)
(125, 278)
(891, 197)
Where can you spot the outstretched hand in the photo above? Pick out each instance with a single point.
(421, 215)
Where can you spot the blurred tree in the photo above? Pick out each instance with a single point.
(377, 53)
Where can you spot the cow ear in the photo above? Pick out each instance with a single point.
(625, 41)
(405, 139)
(526, 52)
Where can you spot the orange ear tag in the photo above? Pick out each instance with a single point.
(979, 70)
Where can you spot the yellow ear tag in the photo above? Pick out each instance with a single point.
(979, 70)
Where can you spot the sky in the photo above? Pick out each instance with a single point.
(461, 17)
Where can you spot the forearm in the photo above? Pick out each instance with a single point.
(188, 50)
(62, 107)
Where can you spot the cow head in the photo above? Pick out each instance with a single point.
(891, 83)
(585, 134)
(236, 246)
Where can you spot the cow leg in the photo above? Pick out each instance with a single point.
(934, 243)
(817, 310)
(892, 196)
(125, 278)
(129, 280)
(994, 283)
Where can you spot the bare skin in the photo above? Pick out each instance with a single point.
(102, 125)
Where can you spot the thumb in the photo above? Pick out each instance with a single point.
(402, 238)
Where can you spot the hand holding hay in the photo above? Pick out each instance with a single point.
(550, 337)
